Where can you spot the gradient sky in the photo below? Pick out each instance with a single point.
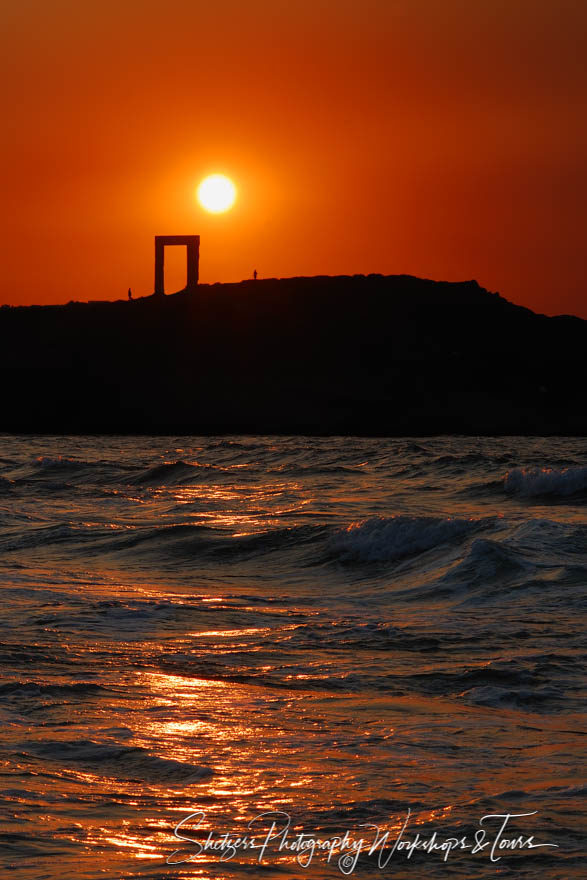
(440, 138)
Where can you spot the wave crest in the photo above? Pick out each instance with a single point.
(130, 763)
(385, 539)
(530, 482)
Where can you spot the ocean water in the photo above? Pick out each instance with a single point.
(333, 649)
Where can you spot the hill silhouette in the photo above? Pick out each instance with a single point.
(379, 355)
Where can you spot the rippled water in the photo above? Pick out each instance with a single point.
(349, 631)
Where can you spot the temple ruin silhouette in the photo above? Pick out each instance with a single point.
(192, 244)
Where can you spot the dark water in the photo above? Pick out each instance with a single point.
(354, 632)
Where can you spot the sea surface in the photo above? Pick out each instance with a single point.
(377, 638)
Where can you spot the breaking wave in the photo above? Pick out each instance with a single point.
(386, 539)
(532, 482)
(285, 615)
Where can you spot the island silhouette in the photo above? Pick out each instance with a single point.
(365, 355)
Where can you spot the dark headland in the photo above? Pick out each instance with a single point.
(367, 355)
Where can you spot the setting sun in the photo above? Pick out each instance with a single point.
(216, 193)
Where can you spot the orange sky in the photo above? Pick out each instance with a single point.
(440, 138)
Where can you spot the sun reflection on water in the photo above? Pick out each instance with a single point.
(172, 657)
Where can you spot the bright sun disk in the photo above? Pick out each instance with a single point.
(216, 193)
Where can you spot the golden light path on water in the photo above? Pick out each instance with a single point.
(208, 634)
(247, 777)
(229, 726)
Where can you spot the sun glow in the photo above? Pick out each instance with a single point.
(216, 193)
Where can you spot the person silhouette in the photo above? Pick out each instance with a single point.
(129, 293)
(254, 275)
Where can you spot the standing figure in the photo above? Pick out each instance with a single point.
(129, 293)
(254, 275)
